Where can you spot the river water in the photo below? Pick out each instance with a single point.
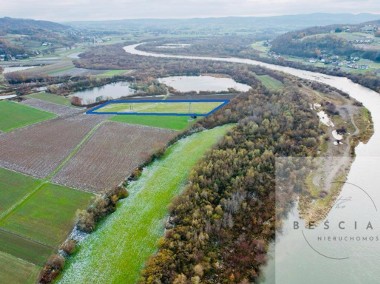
(292, 259)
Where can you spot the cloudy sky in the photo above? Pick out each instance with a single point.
(66, 10)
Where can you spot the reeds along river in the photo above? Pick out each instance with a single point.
(292, 259)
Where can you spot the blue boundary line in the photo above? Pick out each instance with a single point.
(94, 110)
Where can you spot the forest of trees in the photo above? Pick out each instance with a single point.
(220, 226)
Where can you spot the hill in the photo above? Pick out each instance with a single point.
(227, 24)
(328, 42)
(28, 27)
(21, 38)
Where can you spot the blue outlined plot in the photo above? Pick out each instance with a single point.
(97, 110)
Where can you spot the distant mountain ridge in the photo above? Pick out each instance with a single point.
(28, 26)
(287, 22)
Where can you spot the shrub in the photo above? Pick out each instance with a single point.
(51, 269)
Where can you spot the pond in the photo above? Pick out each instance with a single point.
(198, 84)
(107, 92)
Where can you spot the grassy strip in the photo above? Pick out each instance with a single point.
(15, 270)
(59, 100)
(116, 252)
(270, 82)
(167, 122)
(13, 187)
(162, 107)
(20, 247)
(14, 115)
(47, 215)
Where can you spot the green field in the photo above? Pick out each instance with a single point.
(22, 248)
(13, 187)
(270, 82)
(117, 251)
(14, 270)
(14, 115)
(164, 107)
(60, 100)
(47, 215)
(111, 73)
(168, 122)
(35, 217)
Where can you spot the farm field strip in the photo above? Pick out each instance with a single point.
(75, 150)
(110, 155)
(60, 100)
(24, 248)
(15, 270)
(14, 115)
(46, 216)
(30, 209)
(13, 187)
(39, 149)
(167, 107)
(57, 109)
(167, 122)
(117, 251)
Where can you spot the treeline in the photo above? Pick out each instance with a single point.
(220, 226)
(291, 44)
(368, 79)
(82, 83)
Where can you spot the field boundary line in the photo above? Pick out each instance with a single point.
(26, 238)
(76, 150)
(49, 102)
(21, 259)
(142, 125)
(10, 210)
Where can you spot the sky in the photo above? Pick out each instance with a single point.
(74, 10)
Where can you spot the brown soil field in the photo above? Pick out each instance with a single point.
(59, 110)
(37, 150)
(111, 154)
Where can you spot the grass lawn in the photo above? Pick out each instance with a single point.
(161, 107)
(60, 100)
(13, 187)
(47, 215)
(270, 82)
(14, 115)
(168, 122)
(14, 270)
(117, 251)
(111, 73)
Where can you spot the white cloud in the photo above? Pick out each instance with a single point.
(64, 10)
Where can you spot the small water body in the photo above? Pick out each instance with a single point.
(198, 84)
(15, 69)
(295, 262)
(108, 92)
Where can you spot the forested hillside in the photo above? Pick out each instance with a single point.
(313, 42)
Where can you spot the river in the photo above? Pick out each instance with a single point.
(292, 260)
